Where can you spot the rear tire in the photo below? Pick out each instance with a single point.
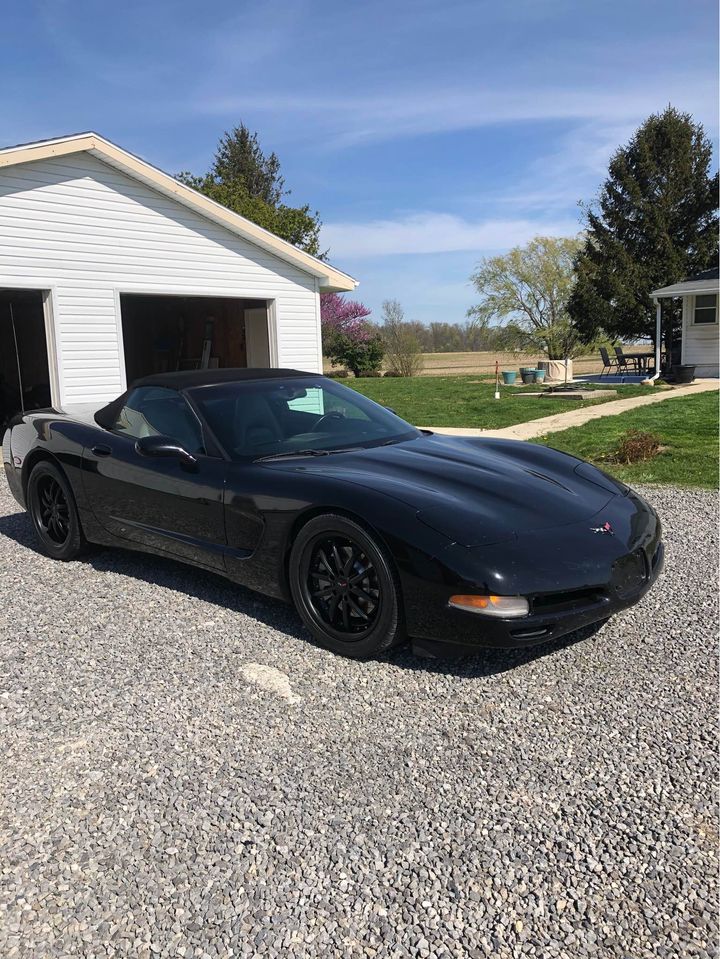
(53, 512)
(345, 588)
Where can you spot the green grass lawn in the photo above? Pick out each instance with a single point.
(687, 426)
(468, 400)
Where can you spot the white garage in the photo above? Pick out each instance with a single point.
(111, 269)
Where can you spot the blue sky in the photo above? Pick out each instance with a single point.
(427, 134)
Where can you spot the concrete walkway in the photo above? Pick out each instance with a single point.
(563, 421)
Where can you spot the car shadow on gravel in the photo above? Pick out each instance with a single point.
(210, 587)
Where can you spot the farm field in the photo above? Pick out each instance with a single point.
(483, 364)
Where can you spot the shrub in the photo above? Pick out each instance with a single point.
(635, 446)
(360, 356)
(392, 373)
(337, 374)
(348, 338)
(367, 373)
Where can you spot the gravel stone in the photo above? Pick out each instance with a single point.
(183, 773)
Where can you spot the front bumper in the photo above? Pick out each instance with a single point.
(572, 577)
(541, 626)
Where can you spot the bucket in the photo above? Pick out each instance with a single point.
(539, 376)
(528, 376)
(509, 377)
(683, 373)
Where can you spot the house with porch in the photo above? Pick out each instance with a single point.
(700, 339)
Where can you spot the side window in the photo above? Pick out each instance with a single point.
(705, 308)
(156, 411)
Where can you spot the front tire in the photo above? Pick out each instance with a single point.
(54, 515)
(345, 587)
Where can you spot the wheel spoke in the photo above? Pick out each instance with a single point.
(354, 606)
(326, 563)
(350, 562)
(318, 574)
(336, 559)
(332, 608)
(345, 615)
(325, 593)
(358, 577)
(360, 593)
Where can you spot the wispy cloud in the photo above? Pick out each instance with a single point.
(351, 120)
(436, 233)
(555, 180)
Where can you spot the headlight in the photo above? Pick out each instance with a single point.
(502, 607)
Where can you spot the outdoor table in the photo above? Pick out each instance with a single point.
(641, 360)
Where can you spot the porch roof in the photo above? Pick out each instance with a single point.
(707, 282)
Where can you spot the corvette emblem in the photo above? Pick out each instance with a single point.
(606, 529)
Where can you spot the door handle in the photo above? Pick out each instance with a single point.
(101, 450)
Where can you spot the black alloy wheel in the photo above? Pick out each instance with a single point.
(53, 511)
(54, 514)
(345, 587)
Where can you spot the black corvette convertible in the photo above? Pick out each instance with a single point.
(301, 488)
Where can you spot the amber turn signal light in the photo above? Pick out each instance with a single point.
(503, 607)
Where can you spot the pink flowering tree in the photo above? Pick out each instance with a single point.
(348, 339)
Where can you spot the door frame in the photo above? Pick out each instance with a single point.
(270, 301)
(48, 295)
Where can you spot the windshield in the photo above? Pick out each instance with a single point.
(297, 415)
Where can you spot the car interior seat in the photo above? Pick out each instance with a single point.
(255, 424)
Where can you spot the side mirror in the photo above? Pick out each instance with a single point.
(164, 446)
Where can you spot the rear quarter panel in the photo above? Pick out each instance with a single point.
(51, 436)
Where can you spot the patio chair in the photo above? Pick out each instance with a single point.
(608, 363)
(623, 361)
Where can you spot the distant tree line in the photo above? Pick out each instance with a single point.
(467, 337)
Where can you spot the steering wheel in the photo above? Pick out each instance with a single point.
(332, 415)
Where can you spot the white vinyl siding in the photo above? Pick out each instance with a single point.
(88, 232)
(700, 341)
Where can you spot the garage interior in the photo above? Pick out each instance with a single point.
(167, 333)
(24, 368)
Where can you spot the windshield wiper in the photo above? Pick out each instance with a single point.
(289, 453)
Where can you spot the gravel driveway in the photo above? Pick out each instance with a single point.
(183, 773)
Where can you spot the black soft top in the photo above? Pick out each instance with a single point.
(188, 379)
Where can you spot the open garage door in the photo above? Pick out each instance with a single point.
(166, 333)
(24, 369)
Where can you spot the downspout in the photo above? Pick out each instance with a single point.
(658, 334)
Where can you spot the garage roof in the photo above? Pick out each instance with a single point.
(331, 280)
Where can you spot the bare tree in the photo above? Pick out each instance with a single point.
(402, 348)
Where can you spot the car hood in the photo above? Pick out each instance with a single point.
(478, 491)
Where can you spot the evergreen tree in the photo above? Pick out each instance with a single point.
(239, 157)
(655, 222)
(246, 181)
